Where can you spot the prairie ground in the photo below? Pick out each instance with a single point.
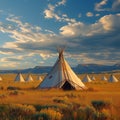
(28, 94)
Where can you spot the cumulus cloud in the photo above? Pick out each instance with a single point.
(75, 29)
(62, 2)
(44, 56)
(105, 24)
(89, 14)
(100, 6)
(110, 22)
(97, 14)
(51, 13)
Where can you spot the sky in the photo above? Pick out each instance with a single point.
(31, 31)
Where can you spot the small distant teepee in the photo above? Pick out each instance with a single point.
(104, 78)
(86, 79)
(1, 78)
(19, 78)
(39, 78)
(112, 79)
(92, 78)
(29, 78)
(62, 76)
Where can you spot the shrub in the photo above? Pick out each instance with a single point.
(13, 88)
(41, 116)
(40, 107)
(15, 92)
(68, 113)
(58, 100)
(101, 116)
(4, 110)
(50, 114)
(89, 111)
(71, 95)
(100, 105)
(16, 112)
(20, 112)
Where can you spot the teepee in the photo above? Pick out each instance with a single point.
(39, 78)
(104, 78)
(62, 76)
(92, 78)
(29, 78)
(1, 78)
(86, 79)
(112, 79)
(19, 78)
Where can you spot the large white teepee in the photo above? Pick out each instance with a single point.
(62, 76)
(104, 78)
(112, 79)
(29, 78)
(19, 78)
(86, 79)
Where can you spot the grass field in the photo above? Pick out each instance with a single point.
(97, 91)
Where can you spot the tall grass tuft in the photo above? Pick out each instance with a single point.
(16, 112)
(48, 114)
(100, 105)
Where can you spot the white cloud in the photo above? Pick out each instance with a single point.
(97, 14)
(110, 22)
(72, 29)
(6, 53)
(99, 6)
(12, 65)
(51, 13)
(62, 2)
(103, 25)
(102, 6)
(89, 14)
(48, 13)
(44, 56)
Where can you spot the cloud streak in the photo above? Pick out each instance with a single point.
(101, 6)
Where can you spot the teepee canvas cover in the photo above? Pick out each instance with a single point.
(62, 76)
(19, 78)
(86, 79)
(112, 79)
(29, 78)
(104, 78)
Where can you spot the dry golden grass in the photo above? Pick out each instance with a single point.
(98, 90)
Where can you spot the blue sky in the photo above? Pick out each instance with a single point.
(32, 30)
